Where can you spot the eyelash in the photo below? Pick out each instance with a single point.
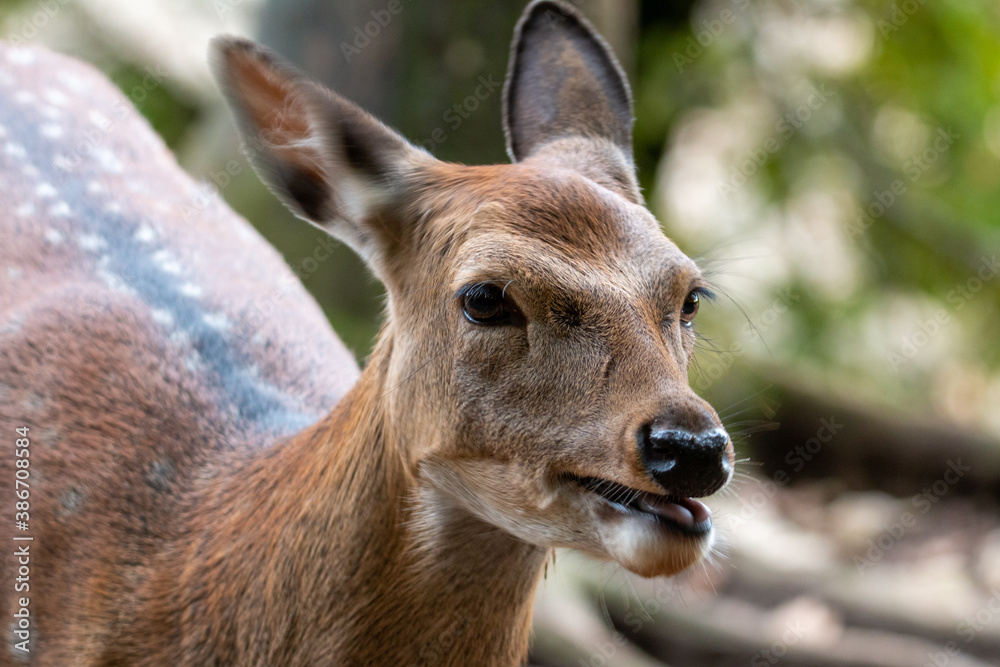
(705, 293)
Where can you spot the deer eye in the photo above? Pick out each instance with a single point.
(690, 308)
(484, 303)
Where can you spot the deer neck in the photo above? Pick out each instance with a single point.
(407, 573)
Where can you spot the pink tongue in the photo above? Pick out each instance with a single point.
(686, 512)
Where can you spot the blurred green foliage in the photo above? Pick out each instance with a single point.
(928, 72)
(170, 114)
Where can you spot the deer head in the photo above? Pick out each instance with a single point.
(540, 325)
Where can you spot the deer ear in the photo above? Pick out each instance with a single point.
(331, 162)
(566, 95)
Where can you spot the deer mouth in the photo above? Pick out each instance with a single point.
(685, 514)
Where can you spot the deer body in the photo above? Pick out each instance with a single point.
(213, 482)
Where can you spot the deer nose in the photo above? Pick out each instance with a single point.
(685, 463)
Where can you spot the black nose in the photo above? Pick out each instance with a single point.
(686, 464)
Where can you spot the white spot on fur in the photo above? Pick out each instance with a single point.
(45, 190)
(91, 241)
(113, 280)
(50, 112)
(163, 316)
(54, 236)
(20, 56)
(94, 187)
(216, 321)
(193, 362)
(108, 161)
(64, 163)
(12, 325)
(191, 290)
(14, 272)
(25, 210)
(52, 130)
(179, 337)
(166, 262)
(24, 97)
(113, 207)
(3, 132)
(60, 210)
(74, 82)
(55, 96)
(14, 149)
(70, 501)
(244, 233)
(29, 171)
(98, 119)
(144, 234)
(33, 402)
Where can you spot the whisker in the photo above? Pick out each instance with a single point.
(725, 413)
(752, 426)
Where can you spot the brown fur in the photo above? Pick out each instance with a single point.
(191, 505)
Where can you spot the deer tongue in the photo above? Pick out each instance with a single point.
(686, 512)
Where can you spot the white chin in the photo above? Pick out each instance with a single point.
(650, 549)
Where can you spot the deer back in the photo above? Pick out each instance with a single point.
(145, 331)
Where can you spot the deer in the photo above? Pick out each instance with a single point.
(212, 480)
